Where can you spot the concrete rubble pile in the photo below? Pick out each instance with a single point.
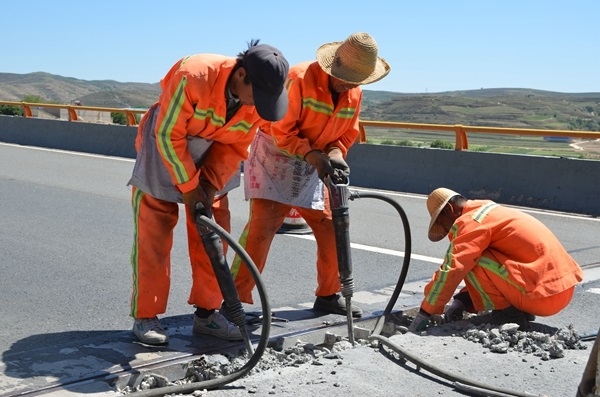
(504, 339)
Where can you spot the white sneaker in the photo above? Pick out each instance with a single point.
(149, 330)
(216, 325)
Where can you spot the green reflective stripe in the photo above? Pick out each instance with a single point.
(485, 298)
(346, 113)
(483, 211)
(136, 199)
(242, 241)
(241, 125)
(440, 282)
(209, 114)
(317, 106)
(499, 270)
(164, 134)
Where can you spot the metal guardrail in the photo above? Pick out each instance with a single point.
(72, 110)
(460, 131)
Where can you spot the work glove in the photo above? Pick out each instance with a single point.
(320, 162)
(454, 312)
(342, 171)
(420, 322)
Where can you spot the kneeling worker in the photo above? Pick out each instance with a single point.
(510, 262)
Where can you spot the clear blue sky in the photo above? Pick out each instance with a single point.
(432, 46)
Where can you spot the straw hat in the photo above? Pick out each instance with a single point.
(436, 201)
(354, 60)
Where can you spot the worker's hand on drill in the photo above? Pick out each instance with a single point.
(454, 312)
(420, 322)
(204, 194)
(320, 162)
(341, 168)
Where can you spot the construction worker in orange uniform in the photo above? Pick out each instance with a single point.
(510, 262)
(289, 160)
(189, 146)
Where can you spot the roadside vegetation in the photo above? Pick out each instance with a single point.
(512, 144)
(492, 107)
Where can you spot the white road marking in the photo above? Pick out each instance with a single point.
(375, 249)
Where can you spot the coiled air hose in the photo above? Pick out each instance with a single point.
(473, 387)
(204, 221)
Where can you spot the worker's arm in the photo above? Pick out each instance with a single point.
(176, 108)
(285, 132)
(349, 137)
(466, 247)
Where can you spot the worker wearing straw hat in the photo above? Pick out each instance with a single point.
(290, 158)
(510, 262)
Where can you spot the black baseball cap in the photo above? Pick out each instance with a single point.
(268, 69)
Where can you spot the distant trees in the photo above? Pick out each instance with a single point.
(34, 99)
(11, 110)
(578, 124)
(118, 118)
(439, 144)
(121, 119)
(15, 110)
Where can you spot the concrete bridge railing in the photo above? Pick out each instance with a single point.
(552, 183)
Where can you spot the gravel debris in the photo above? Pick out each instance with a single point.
(500, 339)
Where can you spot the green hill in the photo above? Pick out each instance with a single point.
(496, 107)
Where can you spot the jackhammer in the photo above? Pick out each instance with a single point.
(338, 195)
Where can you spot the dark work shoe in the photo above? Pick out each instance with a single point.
(505, 316)
(511, 313)
(335, 304)
(216, 325)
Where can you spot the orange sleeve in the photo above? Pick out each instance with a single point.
(286, 132)
(176, 108)
(350, 137)
(223, 160)
(462, 256)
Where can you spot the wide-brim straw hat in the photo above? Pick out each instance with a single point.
(436, 201)
(353, 60)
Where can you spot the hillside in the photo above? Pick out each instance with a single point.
(499, 107)
(58, 89)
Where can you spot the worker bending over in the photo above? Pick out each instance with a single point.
(189, 145)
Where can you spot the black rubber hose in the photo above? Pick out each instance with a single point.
(213, 246)
(443, 374)
(407, 252)
(458, 381)
(264, 336)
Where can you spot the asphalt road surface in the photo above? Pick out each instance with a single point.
(66, 233)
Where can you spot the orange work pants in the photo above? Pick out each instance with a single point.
(266, 217)
(489, 290)
(154, 222)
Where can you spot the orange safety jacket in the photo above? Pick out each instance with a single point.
(193, 103)
(531, 257)
(312, 120)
